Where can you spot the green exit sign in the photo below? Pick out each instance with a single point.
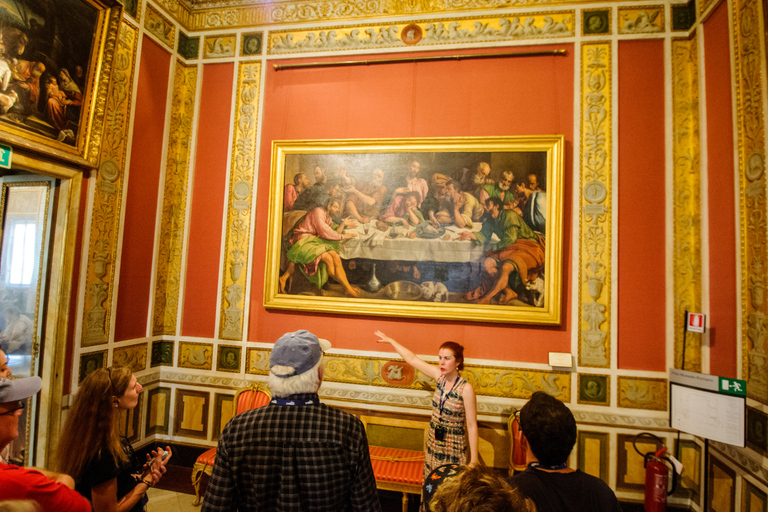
(733, 386)
(5, 156)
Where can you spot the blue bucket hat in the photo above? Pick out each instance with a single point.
(300, 350)
(13, 390)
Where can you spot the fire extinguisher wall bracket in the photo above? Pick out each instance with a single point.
(656, 475)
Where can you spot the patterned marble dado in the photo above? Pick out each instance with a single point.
(424, 33)
(365, 396)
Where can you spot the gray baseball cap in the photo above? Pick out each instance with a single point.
(300, 350)
(13, 390)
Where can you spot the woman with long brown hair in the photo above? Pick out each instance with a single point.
(91, 450)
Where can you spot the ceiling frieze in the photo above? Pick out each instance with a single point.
(200, 15)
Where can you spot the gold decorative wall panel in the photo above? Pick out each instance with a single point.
(239, 210)
(107, 200)
(426, 33)
(640, 393)
(132, 356)
(177, 10)
(487, 380)
(595, 206)
(157, 25)
(171, 240)
(750, 69)
(195, 355)
(686, 191)
(641, 20)
(100, 107)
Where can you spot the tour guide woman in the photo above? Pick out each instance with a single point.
(105, 469)
(453, 403)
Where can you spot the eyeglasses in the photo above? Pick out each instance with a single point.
(20, 406)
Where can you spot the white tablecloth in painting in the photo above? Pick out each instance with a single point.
(379, 245)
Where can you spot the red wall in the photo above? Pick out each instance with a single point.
(509, 96)
(641, 207)
(134, 290)
(723, 300)
(207, 207)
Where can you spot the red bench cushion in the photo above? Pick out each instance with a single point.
(394, 465)
(207, 458)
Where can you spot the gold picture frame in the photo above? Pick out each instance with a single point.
(425, 268)
(54, 100)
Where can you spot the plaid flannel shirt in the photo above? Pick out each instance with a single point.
(293, 458)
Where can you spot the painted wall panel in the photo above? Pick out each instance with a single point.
(417, 100)
(723, 300)
(141, 203)
(207, 208)
(641, 204)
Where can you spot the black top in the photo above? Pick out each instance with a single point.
(571, 492)
(103, 468)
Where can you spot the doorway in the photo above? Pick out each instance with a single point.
(25, 226)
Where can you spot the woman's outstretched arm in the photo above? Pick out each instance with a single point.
(410, 358)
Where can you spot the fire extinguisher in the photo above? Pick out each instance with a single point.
(519, 443)
(657, 468)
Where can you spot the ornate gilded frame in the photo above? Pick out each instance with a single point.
(391, 155)
(83, 147)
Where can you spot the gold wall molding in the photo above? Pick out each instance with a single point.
(750, 68)
(218, 14)
(95, 138)
(595, 206)
(239, 209)
(174, 209)
(160, 27)
(641, 20)
(424, 33)
(495, 381)
(177, 10)
(686, 206)
(107, 200)
(641, 393)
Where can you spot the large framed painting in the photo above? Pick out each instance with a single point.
(55, 66)
(450, 228)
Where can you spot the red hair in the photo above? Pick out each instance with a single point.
(458, 352)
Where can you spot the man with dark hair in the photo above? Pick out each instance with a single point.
(294, 454)
(550, 430)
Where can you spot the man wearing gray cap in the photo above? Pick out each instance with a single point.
(27, 483)
(294, 454)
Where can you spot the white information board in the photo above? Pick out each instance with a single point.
(707, 413)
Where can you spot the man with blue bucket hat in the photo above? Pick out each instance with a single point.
(294, 454)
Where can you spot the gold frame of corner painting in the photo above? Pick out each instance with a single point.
(64, 120)
(423, 270)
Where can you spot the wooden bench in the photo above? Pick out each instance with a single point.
(397, 454)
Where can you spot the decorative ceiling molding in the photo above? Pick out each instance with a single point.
(199, 15)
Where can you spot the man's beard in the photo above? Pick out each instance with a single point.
(503, 186)
(479, 179)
